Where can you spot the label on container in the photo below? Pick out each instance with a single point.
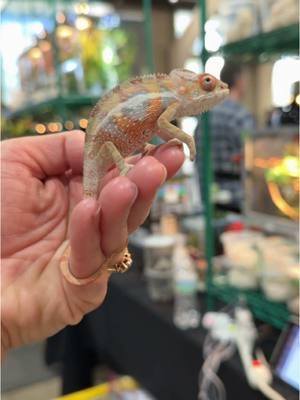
(186, 287)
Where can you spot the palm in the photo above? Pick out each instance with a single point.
(35, 220)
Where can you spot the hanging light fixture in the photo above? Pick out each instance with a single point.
(82, 23)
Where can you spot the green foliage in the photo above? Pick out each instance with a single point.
(18, 128)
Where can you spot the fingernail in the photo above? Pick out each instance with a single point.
(98, 209)
(165, 174)
(89, 203)
(167, 146)
(134, 189)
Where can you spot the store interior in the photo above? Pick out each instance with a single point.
(210, 307)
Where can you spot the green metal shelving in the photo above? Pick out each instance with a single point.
(54, 103)
(281, 40)
(276, 314)
(285, 40)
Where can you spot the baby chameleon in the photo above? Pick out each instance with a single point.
(126, 119)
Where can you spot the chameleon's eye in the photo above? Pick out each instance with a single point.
(207, 82)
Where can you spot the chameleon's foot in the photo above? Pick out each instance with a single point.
(192, 149)
(190, 145)
(174, 142)
(148, 149)
(125, 169)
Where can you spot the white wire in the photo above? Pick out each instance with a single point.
(213, 353)
(211, 383)
(269, 392)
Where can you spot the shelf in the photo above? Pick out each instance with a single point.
(284, 40)
(55, 102)
(276, 314)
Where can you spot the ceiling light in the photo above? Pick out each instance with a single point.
(83, 123)
(100, 9)
(35, 53)
(40, 128)
(64, 31)
(82, 8)
(82, 23)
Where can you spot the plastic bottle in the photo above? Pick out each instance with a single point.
(186, 313)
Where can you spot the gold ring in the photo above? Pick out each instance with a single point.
(121, 267)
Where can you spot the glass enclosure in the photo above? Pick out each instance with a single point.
(66, 54)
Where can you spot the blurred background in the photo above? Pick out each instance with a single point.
(223, 233)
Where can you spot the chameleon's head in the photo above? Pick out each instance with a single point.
(199, 92)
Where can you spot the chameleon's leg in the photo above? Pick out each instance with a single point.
(167, 131)
(113, 153)
(96, 167)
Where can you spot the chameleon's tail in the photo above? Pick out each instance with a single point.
(94, 171)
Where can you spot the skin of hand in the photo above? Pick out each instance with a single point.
(42, 207)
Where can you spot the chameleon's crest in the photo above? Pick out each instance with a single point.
(183, 74)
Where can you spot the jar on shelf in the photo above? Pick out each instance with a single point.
(242, 258)
(239, 19)
(278, 13)
(158, 250)
(280, 268)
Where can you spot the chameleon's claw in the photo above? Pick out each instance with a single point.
(191, 146)
(192, 154)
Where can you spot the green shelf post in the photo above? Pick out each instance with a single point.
(147, 8)
(60, 106)
(207, 173)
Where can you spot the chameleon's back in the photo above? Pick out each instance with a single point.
(127, 115)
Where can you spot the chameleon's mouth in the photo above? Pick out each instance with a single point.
(208, 101)
(203, 103)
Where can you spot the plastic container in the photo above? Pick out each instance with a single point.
(241, 248)
(158, 250)
(159, 280)
(278, 286)
(242, 278)
(280, 268)
(186, 312)
(242, 258)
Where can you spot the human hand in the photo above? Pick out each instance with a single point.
(42, 207)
